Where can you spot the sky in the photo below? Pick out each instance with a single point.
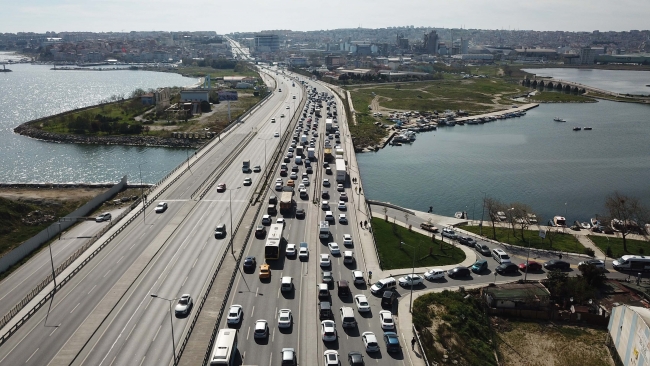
(305, 15)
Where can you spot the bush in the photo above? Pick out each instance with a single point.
(590, 252)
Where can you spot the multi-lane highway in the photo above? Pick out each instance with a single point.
(105, 315)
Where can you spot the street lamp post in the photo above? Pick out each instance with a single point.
(232, 250)
(412, 274)
(171, 322)
(265, 161)
(482, 213)
(144, 203)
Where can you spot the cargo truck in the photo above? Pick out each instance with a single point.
(328, 125)
(324, 230)
(299, 151)
(341, 173)
(327, 154)
(286, 199)
(246, 167)
(317, 111)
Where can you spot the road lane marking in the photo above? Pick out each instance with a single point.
(185, 280)
(131, 247)
(109, 271)
(30, 357)
(196, 260)
(143, 358)
(156, 335)
(270, 358)
(57, 327)
(252, 311)
(91, 290)
(248, 333)
(257, 291)
(75, 308)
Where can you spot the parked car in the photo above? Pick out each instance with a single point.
(532, 266)
(458, 272)
(410, 280)
(479, 266)
(103, 217)
(434, 274)
(449, 233)
(557, 264)
(507, 268)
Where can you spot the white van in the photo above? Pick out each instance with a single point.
(348, 257)
(347, 317)
(500, 256)
(383, 285)
(637, 263)
(298, 160)
(286, 284)
(323, 291)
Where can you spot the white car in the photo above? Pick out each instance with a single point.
(343, 219)
(184, 305)
(331, 358)
(305, 181)
(326, 182)
(342, 206)
(280, 220)
(357, 278)
(362, 303)
(347, 240)
(328, 330)
(291, 250)
(162, 206)
(386, 320)
(325, 260)
(334, 248)
(410, 280)
(329, 216)
(261, 329)
(287, 107)
(278, 180)
(285, 319)
(370, 341)
(290, 154)
(449, 233)
(248, 181)
(325, 205)
(303, 252)
(235, 314)
(103, 217)
(598, 263)
(434, 274)
(277, 134)
(339, 187)
(278, 186)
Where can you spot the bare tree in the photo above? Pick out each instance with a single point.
(520, 212)
(406, 218)
(626, 214)
(492, 205)
(385, 209)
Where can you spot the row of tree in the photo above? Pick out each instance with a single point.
(625, 214)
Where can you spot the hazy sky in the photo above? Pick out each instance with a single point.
(225, 16)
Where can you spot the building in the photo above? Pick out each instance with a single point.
(191, 100)
(517, 296)
(266, 43)
(587, 56)
(629, 333)
(333, 61)
(160, 98)
(431, 43)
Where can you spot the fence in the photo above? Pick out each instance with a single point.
(424, 354)
(379, 203)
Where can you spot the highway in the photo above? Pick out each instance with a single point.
(26, 277)
(170, 254)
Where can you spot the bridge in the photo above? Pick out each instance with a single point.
(574, 87)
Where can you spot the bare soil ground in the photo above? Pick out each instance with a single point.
(59, 194)
(551, 344)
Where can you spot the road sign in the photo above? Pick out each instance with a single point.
(542, 234)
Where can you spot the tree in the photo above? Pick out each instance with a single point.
(593, 275)
(406, 218)
(520, 213)
(626, 213)
(492, 205)
(385, 209)
(555, 281)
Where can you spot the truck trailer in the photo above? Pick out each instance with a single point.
(328, 125)
(286, 199)
(324, 230)
(311, 153)
(327, 154)
(341, 173)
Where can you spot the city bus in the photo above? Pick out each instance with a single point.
(225, 348)
(272, 247)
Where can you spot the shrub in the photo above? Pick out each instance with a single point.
(590, 252)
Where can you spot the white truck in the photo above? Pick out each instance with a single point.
(328, 125)
(341, 173)
(303, 139)
(324, 230)
(311, 153)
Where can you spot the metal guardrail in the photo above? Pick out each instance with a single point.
(424, 355)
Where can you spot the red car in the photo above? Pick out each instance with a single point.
(532, 266)
(221, 187)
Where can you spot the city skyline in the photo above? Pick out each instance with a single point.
(163, 15)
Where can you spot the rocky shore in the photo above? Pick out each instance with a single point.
(26, 130)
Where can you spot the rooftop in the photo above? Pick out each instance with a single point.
(517, 291)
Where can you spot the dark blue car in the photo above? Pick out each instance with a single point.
(392, 342)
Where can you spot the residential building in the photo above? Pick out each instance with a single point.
(629, 333)
(267, 43)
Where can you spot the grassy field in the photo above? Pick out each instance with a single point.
(454, 326)
(388, 237)
(197, 71)
(563, 242)
(546, 344)
(634, 247)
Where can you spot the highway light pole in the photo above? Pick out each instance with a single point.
(171, 322)
(144, 203)
(265, 161)
(480, 227)
(232, 250)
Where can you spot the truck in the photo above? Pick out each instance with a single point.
(246, 167)
(299, 151)
(286, 199)
(341, 173)
(327, 154)
(328, 125)
(317, 110)
(339, 153)
(303, 139)
(311, 153)
(324, 230)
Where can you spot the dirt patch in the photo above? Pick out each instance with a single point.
(58, 194)
(549, 344)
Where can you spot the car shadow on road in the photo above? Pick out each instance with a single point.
(332, 344)
(262, 341)
(289, 295)
(396, 355)
(375, 355)
(287, 330)
(366, 314)
(352, 331)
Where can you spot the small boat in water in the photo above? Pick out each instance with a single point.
(585, 225)
(461, 215)
(594, 222)
(577, 128)
(558, 119)
(587, 128)
(559, 221)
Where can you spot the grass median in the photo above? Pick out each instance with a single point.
(427, 252)
(555, 240)
(634, 247)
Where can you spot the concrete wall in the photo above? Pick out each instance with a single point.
(53, 230)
